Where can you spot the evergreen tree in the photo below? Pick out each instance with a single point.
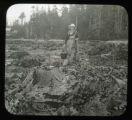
(94, 22)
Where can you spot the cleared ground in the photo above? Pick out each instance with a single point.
(100, 72)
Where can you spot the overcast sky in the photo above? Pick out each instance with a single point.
(14, 11)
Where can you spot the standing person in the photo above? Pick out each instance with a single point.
(71, 45)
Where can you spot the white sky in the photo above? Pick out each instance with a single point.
(15, 10)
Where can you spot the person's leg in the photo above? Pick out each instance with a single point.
(65, 62)
(72, 56)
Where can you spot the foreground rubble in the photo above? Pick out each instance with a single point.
(93, 86)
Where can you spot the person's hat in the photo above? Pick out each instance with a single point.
(72, 25)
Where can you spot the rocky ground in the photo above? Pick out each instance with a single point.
(94, 85)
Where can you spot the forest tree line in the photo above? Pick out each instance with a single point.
(94, 22)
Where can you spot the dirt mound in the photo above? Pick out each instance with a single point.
(109, 54)
(18, 54)
(29, 61)
(101, 48)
